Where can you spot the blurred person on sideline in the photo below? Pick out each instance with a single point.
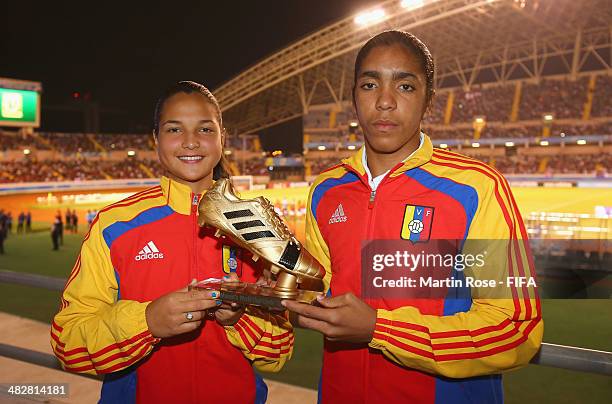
(9, 221)
(75, 221)
(56, 230)
(58, 219)
(20, 222)
(68, 217)
(3, 230)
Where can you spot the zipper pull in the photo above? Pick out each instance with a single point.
(194, 204)
(372, 196)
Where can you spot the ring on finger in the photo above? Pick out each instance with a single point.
(189, 316)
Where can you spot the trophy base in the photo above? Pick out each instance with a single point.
(251, 294)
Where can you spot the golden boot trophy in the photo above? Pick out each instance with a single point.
(254, 225)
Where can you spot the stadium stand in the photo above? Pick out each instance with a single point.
(74, 170)
(602, 106)
(494, 103)
(563, 98)
(329, 136)
(585, 164)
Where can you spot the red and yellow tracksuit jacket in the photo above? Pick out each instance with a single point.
(424, 350)
(137, 250)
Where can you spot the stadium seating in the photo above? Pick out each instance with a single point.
(328, 135)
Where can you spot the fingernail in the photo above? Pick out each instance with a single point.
(227, 277)
(320, 297)
(283, 302)
(218, 302)
(214, 295)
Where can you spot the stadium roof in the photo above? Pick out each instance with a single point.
(472, 41)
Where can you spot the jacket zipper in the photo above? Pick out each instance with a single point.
(194, 274)
(194, 220)
(369, 231)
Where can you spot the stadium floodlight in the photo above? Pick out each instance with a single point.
(353, 124)
(509, 144)
(351, 147)
(321, 147)
(412, 4)
(475, 144)
(370, 17)
(443, 145)
(131, 153)
(543, 142)
(548, 117)
(26, 151)
(581, 142)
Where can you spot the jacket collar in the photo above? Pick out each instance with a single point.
(178, 196)
(421, 156)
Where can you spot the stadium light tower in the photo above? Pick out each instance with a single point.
(370, 17)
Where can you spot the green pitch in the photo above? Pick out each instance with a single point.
(584, 323)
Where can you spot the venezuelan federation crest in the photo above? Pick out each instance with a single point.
(230, 260)
(416, 225)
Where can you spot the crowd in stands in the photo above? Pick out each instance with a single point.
(435, 113)
(72, 143)
(494, 132)
(494, 103)
(556, 164)
(83, 169)
(125, 141)
(254, 166)
(318, 165)
(564, 98)
(75, 170)
(69, 143)
(489, 132)
(514, 164)
(601, 97)
(581, 164)
(15, 141)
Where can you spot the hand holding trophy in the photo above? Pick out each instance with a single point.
(254, 225)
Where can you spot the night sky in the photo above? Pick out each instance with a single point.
(122, 55)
